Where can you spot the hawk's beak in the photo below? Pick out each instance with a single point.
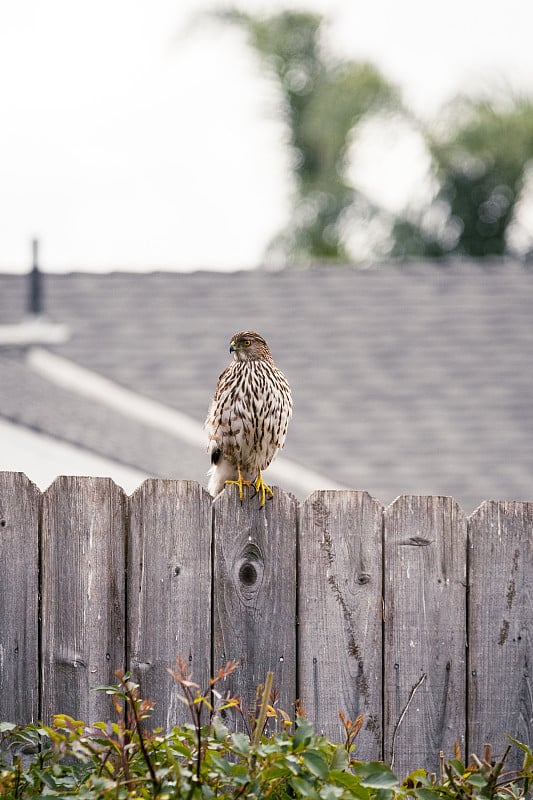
(232, 347)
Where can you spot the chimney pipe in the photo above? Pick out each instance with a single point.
(35, 298)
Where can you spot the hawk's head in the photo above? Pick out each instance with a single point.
(249, 346)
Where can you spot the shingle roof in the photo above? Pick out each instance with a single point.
(412, 378)
(32, 401)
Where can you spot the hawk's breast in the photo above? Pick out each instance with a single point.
(250, 413)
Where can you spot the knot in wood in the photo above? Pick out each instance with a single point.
(249, 570)
(248, 573)
(417, 541)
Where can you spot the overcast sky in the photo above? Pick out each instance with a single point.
(134, 137)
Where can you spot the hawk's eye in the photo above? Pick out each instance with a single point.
(246, 342)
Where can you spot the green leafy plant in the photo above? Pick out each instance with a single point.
(204, 759)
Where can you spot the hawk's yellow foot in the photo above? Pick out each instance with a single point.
(240, 482)
(262, 489)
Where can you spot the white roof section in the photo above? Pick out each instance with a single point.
(35, 330)
(42, 458)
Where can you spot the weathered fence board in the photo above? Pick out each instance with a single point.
(83, 595)
(353, 607)
(169, 590)
(501, 626)
(340, 614)
(19, 593)
(255, 594)
(424, 636)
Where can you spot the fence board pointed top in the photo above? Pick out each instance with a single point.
(83, 594)
(340, 614)
(500, 639)
(425, 630)
(169, 590)
(19, 593)
(255, 593)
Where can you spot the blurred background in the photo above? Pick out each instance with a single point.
(191, 135)
(353, 180)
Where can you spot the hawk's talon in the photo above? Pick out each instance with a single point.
(263, 489)
(240, 482)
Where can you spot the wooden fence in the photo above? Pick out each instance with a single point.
(413, 615)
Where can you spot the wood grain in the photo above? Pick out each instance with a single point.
(19, 598)
(255, 593)
(83, 595)
(424, 631)
(340, 614)
(500, 696)
(169, 590)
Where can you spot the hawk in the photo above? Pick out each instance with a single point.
(248, 417)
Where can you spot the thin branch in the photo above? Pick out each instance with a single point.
(402, 715)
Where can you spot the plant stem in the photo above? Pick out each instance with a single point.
(146, 756)
(198, 742)
(261, 719)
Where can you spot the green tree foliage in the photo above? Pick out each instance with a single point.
(480, 151)
(324, 99)
(481, 160)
